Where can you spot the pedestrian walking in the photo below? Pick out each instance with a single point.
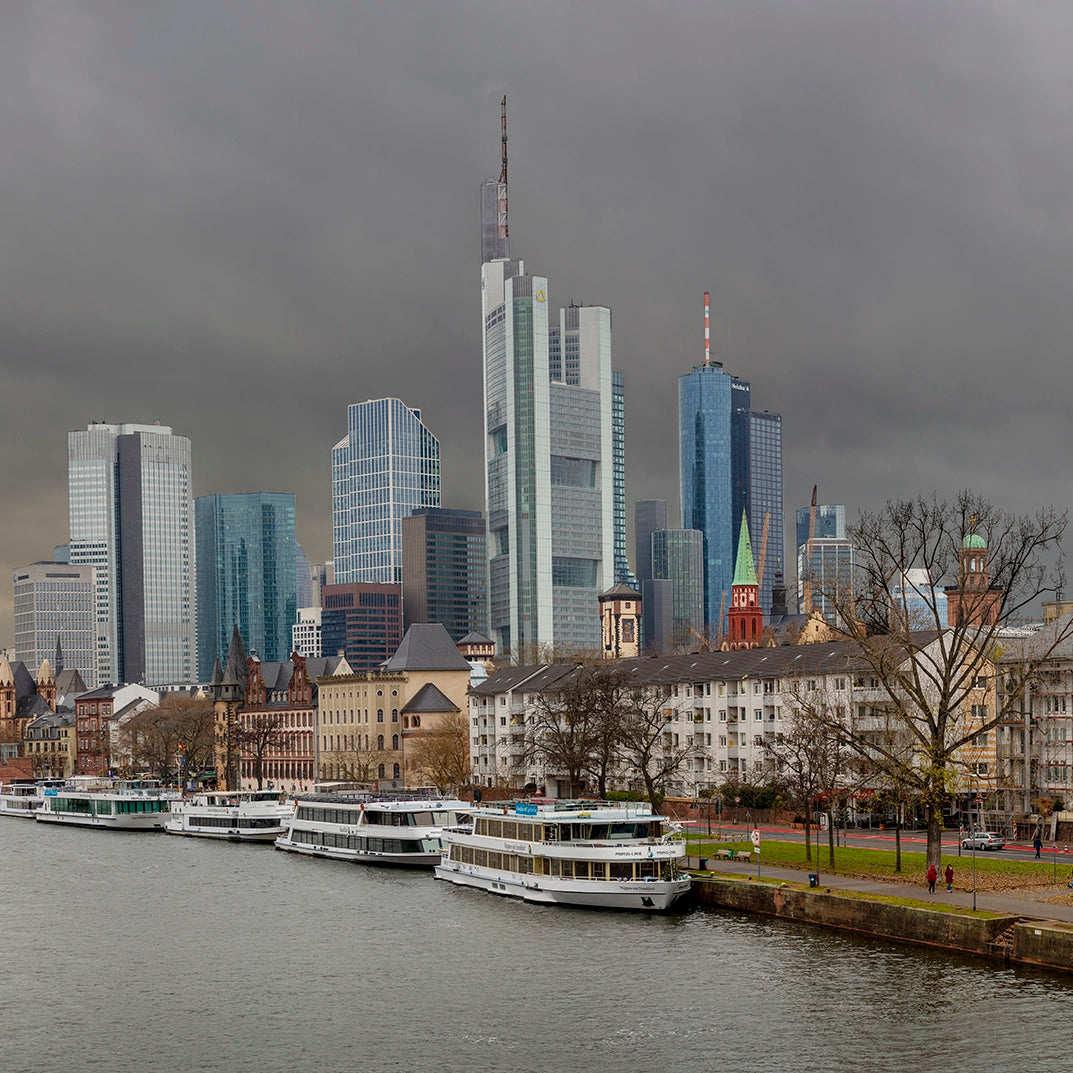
(931, 876)
(948, 875)
(1037, 844)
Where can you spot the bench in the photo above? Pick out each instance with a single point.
(743, 857)
(725, 854)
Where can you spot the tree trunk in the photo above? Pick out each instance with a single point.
(898, 839)
(831, 840)
(808, 843)
(935, 836)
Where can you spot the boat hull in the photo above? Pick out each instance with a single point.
(355, 856)
(147, 822)
(226, 834)
(652, 896)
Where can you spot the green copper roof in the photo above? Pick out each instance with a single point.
(974, 540)
(744, 571)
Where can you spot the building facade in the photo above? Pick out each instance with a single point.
(56, 613)
(445, 570)
(306, 632)
(131, 518)
(361, 620)
(386, 467)
(246, 574)
(623, 573)
(678, 557)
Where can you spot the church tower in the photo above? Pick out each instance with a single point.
(745, 619)
(973, 601)
(620, 613)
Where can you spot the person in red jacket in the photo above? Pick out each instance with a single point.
(931, 876)
(948, 875)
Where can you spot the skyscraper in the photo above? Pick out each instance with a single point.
(648, 516)
(246, 574)
(757, 463)
(55, 610)
(623, 573)
(386, 466)
(678, 557)
(824, 574)
(131, 517)
(445, 570)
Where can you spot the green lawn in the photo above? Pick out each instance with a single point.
(993, 871)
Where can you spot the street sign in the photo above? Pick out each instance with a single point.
(755, 836)
(737, 800)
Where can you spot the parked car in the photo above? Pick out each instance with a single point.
(983, 840)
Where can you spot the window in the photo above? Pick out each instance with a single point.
(380, 742)
(394, 741)
(379, 715)
(758, 715)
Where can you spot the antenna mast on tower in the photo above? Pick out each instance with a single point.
(504, 231)
(707, 337)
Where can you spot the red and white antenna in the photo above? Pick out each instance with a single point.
(504, 231)
(707, 334)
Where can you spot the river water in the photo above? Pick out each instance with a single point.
(146, 952)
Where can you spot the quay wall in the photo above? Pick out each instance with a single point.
(1046, 944)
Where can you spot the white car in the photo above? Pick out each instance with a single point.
(983, 840)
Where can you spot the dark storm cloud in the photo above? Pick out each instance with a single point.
(236, 218)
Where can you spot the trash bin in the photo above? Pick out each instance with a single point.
(703, 863)
(813, 879)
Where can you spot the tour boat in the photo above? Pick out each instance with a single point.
(237, 815)
(598, 854)
(399, 831)
(119, 804)
(22, 797)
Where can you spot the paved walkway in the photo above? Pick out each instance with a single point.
(1026, 904)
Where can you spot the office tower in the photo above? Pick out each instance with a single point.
(707, 398)
(132, 519)
(648, 516)
(657, 616)
(386, 467)
(363, 620)
(678, 557)
(246, 563)
(757, 464)
(306, 633)
(55, 613)
(303, 577)
(830, 523)
(623, 573)
(824, 576)
(445, 570)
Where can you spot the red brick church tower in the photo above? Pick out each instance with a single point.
(973, 600)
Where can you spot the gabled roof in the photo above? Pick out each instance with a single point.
(427, 646)
(474, 638)
(69, 681)
(33, 706)
(430, 699)
(235, 671)
(621, 591)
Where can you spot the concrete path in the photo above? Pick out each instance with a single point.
(1027, 904)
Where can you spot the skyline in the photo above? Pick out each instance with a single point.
(233, 221)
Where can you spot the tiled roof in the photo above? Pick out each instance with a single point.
(427, 646)
(429, 698)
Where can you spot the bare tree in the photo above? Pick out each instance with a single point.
(353, 764)
(258, 734)
(440, 755)
(563, 734)
(160, 739)
(982, 565)
(650, 750)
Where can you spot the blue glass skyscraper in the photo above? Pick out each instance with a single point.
(757, 464)
(386, 467)
(246, 551)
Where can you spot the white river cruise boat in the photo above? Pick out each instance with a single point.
(399, 831)
(119, 804)
(597, 854)
(23, 797)
(236, 815)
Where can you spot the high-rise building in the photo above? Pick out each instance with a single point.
(757, 463)
(131, 517)
(678, 557)
(246, 564)
(648, 516)
(830, 523)
(363, 620)
(55, 613)
(824, 575)
(623, 573)
(445, 570)
(386, 467)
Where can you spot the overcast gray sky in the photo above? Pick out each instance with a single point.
(236, 218)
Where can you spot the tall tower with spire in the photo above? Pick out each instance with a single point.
(745, 619)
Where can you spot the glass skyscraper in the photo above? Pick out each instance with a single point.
(549, 462)
(387, 466)
(678, 557)
(829, 571)
(131, 517)
(623, 573)
(246, 574)
(55, 603)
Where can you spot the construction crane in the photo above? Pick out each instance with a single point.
(763, 552)
(806, 588)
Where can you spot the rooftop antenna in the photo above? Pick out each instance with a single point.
(504, 231)
(707, 334)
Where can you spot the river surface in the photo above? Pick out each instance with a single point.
(146, 952)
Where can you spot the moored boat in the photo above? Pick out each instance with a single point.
(117, 804)
(235, 815)
(372, 830)
(22, 797)
(594, 854)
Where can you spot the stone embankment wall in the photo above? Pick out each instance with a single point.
(1044, 943)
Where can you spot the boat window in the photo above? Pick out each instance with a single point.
(621, 870)
(598, 830)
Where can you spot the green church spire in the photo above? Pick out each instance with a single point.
(744, 570)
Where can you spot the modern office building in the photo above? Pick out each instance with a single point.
(623, 573)
(549, 462)
(648, 516)
(246, 566)
(55, 614)
(824, 576)
(131, 518)
(386, 467)
(306, 633)
(757, 464)
(445, 570)
(678, 557)
(917, 603)
(363, 620)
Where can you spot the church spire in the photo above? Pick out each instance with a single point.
(744, 569)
